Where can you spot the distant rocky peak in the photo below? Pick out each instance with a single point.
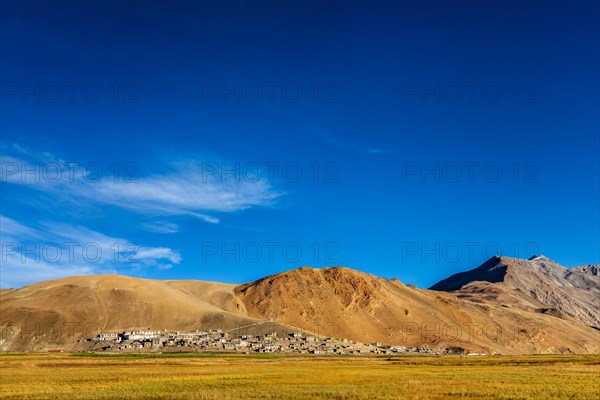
(545, 262)
(591, 269)
(539, 257)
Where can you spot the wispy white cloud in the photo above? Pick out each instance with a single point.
(11, 228)
(183, 189)
(161, 227)
(378, 151)
(53, 250)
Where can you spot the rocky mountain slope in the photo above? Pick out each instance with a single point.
(591, 269)
(535, 284)
(481, 315)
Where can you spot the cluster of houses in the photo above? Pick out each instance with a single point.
(221, 341)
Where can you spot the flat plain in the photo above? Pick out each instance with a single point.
(206, 376)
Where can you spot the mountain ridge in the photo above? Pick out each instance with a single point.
(333, 301)
(574, 292)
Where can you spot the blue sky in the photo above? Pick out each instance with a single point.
(228, 141)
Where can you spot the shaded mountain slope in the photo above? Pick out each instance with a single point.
(538, 283)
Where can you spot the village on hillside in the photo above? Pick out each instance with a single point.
(221, 341)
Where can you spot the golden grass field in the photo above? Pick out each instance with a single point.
(77, 376)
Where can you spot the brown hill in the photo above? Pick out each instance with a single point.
(346, 303)
(535, 284)
(337, 302)
(58, 312)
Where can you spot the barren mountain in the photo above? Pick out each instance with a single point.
(337, 302)
(535, 284)
(346, 303)
(591, 269)
(56, 313)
